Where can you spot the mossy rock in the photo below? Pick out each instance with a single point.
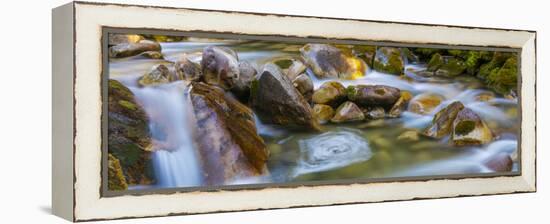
(226, 136)
(115, 180)
(427, 53)
(446, 65)
(505, 79)
(129, 138)
(498, 59)
(389, 60)
(435, 62)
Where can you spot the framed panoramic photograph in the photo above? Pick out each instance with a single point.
(189, 111)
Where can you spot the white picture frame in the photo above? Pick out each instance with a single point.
(77, 111)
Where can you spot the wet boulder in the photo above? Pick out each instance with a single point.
(186, 69)
(277, 101)
(365, 52)
(226, 136)
(410, 56)
(327, 61)
(219, 67)
(425, 103)
(348, 112)
(373, 95)
(469, 129)
(295, 69)
(374, 113)
(115, 180)
(304, 85)
(442, 123)
(497, 60)
(241, 87)
(501, 162)
(131, 49)
(159, 74)
(447, 66)
(389, 60)
(116, 39)
(129, 139)
(400, 105)
(505, 79)
(323, 113)
(331, 93)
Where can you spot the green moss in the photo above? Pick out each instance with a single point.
(497, 60)
(435, 62)
(254, 86)
(351, 92)
(116, 179)
(453, 66)
(427, 53)
(283, 63)
(464, 127)
(389, 60)
(127, 104)
(457, 53)
(504, 79)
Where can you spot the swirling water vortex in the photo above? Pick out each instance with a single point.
(330, 150)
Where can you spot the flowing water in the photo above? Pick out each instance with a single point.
(343, 151)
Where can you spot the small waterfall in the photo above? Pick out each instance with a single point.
(175, 158)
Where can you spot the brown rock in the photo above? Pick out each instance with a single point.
(327, 61)
(425, 103)
(331, 93)
(499, 163)
(304, 85)
(373, 95)
(247, 73)
(131, 49)
(219, 67)
(348, 112)
(400, 105)
(323, 113)
(442, 123)
(277, 101)
(469, 129)
(186, 69)
(226, 137)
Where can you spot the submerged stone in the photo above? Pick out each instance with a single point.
(425, 103)
(374, 113)
(501, 162)
(277, 101)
